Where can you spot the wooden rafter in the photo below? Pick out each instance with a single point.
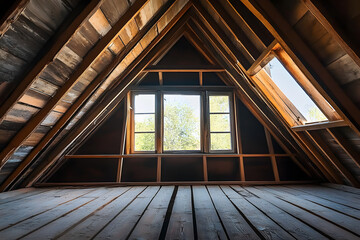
(87, 61)
(117, 93)
(265, 11)
(62, 36)
(320, 13)
(86, 94)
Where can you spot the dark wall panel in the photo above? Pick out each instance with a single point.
(181, 169)
(86, 170)
(258, 169)
(289, 171)
(223, 169)
(139, 170)
(178, 78)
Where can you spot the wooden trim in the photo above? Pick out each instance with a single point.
(173, 183)
(88, 59)
(157, 68)
(11, 15)
(62, 36)
(345, 145)
(205, 169)
(185, 155)
(331, 26)
(326, 150)
(85, 95)
(263, 59)
(118, 92)
(265, 11)
(320, 125)
(271, 151)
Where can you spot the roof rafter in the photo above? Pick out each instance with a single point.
(12, 14)
(114, 96)
(101, 46)
(86, 94)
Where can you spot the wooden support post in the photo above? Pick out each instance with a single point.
(271, 151)
(200, 78)
(161, 81)
(158, 170)
(346, 145)
(123, 141)
(326, 150)
(205, 169)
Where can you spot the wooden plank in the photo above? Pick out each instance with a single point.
(181, 221)
(208, 223)
(90, 57)
(291, 224)
(331, 26)
(92, 225)
(11, 15)
(85, 95)
(235, 224)
(346, 145)
(52, 48)
(335, 217)
(151, 221)
(327, 151)
(289, 39)
(19, 194)
(342, 188)
(121, 226)
(264, 225)
(328, 229)
(320, 125)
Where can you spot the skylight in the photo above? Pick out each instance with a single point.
(293, 91)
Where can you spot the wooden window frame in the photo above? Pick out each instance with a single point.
(204, 94)
(278, 99)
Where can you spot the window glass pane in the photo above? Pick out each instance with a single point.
(293, 91)
(219, 104)
(144, 142)
(144, 122)
(220, 141)
(219, 123)
(145, 103)
(181, 122)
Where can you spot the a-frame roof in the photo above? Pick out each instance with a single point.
(65, 70)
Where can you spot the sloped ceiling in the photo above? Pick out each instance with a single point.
(66, 64)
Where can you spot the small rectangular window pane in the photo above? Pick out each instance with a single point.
(181, 122)
(144, 122)
(294, 92)
(145, 103)
(220, 141)
(219, 104)
(144, 141)
(219, 123)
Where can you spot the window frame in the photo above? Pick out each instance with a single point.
(204, 94)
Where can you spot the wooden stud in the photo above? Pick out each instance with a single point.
(323, 146)
(200, 78)
(161, 81)
(346, 145)
(122, 141)
(273, 158)
(320, 13)
(158, 170)
(205, 169)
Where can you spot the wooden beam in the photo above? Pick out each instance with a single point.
(250, 51)
(118, 92)
(265, 11)
(88, 59)
(271, 151)
(11, 14)
(158, 170)
(346, 145)
(326, 150)
(62, 36)
(161, 80)
(320, 125)
(157, 68)
(205, 169)
(333, 28)
(86, 94)
(263, 59)
(185, 155)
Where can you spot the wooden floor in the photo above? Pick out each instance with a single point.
(184, 212)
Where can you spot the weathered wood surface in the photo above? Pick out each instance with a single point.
(185, 212)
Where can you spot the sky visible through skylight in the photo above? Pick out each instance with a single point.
(294, 92)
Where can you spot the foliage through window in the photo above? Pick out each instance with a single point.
(177, 120)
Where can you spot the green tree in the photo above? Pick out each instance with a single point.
(315, 115)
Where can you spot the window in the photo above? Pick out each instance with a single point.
(173, 122)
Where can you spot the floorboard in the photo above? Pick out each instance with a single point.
(182, 212)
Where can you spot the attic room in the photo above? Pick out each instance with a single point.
(180, 119)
